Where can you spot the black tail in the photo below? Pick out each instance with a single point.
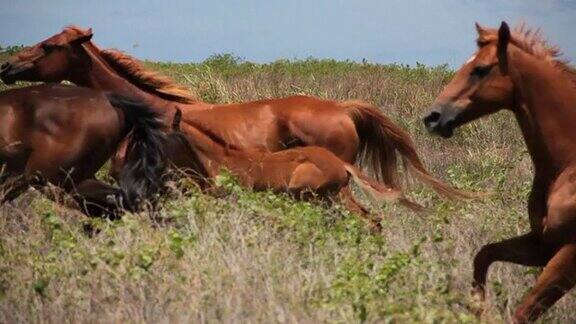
(142, 176)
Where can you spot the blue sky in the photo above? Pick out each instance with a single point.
(427, 31)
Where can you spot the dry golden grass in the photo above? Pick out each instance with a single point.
(257, 257)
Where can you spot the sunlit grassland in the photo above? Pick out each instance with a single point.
(259, 257)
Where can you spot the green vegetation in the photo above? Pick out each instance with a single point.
(10, 50)
(260, 257)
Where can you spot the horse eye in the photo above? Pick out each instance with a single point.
(481, 70)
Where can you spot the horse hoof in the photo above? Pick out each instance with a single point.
(478, 292)
(477, 305)
(375, 227)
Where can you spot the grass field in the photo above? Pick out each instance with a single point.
(259, 257)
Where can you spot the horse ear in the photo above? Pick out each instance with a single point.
(177, 119)
(84, 37)
(481, 30)
(503, 41)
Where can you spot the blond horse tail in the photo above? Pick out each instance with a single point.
(379, 140)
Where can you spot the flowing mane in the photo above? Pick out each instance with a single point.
(534, 43)
(145, 79)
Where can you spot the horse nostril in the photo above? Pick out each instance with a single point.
(4, 66)
(432, 118)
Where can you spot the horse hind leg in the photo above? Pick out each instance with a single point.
(308, 180)
(353, 205)
(308, 177)
(305, 180)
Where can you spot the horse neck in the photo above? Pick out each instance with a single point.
(545, 110)
(98, 74)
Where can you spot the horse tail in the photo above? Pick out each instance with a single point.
(379, 140)
(142, 176)
(378, 191)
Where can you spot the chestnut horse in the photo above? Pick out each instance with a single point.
(300, 171)
(520, 72)
(62, 135)
(349, 129)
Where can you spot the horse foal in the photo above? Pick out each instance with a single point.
(303, 172)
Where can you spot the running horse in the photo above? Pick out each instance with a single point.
(519, 71)
(349, 129)
(62, 135)
(303, 172)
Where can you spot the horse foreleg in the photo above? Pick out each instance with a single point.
(97, 199)
(558, 277)
(525, 250)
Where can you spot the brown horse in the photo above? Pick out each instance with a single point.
(520, 72)
(62, 135)
(300, 171)
(349, 129)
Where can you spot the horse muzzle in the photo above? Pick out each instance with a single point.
(440, 123)
(4, 68)
(10, 71)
